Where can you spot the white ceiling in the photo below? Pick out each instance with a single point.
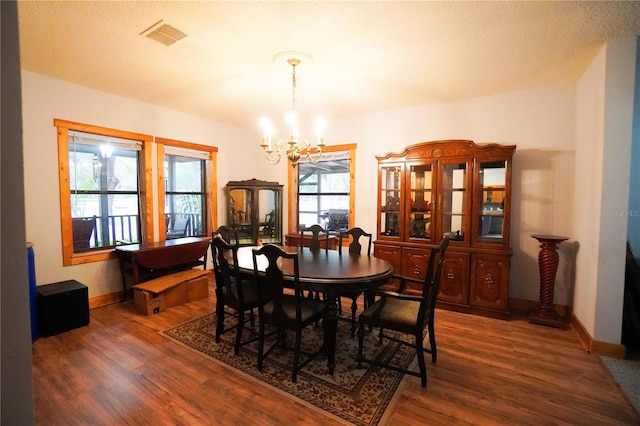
(368, 56)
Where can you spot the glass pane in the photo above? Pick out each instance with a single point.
(268, 225)
(454, 200)
(492, 184)
(421, 201)
(106, 216)
(186, 175)
(390, 224)
(93, 230)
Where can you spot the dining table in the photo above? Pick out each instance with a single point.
(329, 272)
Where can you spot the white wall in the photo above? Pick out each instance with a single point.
(618, 125)
(603, 141)
(540, 122)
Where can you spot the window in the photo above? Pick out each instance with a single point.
(186, 173)
(100, 187)
(325, 191)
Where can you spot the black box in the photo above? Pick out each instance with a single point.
(62, 306)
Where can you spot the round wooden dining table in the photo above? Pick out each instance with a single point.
(329, 272)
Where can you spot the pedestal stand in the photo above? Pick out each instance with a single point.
(545, 314)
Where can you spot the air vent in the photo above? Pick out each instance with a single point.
(163, 33)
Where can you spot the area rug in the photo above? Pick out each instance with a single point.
(350, 396)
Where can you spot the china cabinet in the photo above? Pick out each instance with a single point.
(254, 211)
(456, 188)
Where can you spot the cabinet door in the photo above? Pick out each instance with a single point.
(392, 255)
(414, 265)
(420, 193)
(269, 228)
(454, 200)
(390, 211)
(490, 281)
(240, 204)
(454, 281)
(491, 204)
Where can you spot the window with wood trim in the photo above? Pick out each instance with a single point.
(102, 179)
(323, 192)
(187, 198)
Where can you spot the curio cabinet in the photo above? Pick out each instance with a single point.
(254, 211)
(455, 188)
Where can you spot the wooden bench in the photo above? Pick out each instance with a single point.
(158, 294)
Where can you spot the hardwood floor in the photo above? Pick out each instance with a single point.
(119, 370)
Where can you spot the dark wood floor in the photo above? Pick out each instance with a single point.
(120, 371)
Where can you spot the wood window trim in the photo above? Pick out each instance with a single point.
(210, 186)
(144, 169)
(292, 190)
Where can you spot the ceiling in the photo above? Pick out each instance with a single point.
(367, 56)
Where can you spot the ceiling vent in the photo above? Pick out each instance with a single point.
(163, 33)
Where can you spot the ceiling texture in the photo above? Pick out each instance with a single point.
(366, 56)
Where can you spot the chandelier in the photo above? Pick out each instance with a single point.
(293, 147)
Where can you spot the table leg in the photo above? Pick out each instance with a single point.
(331, 331)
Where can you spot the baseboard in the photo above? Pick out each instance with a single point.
(104, 300)
(596, 347)
(588, 343)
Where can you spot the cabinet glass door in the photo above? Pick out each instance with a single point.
(454, 200)
(492, 184)
(268, 221)
(240, 213)
(390, 180)
(421, 212)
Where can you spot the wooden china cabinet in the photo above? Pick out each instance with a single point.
(254, 211)
(455, 188)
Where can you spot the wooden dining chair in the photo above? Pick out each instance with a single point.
(228, 234)
(284, 310)
(234, 296)
(407, 314)
(355, 247)
(317, 241)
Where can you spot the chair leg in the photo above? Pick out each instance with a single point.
(354, 309)
(432, 342)
(220, 321)
(360, 344)
(236, 347)
(380, 335)
(420, 355)
(260, 344)
(296, 356)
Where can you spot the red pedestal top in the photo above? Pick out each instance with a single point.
(541, 237)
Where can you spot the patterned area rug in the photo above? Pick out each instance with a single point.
(351, 396)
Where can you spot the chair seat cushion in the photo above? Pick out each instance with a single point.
(249, 291)
(309, 308)
(397, 314)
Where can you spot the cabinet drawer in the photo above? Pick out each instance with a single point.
(454, 281)
(490, 281)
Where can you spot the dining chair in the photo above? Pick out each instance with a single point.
(315, 244)
(355, 247)
(407, 314)
(284, 310)
(317, 241)
(228, 234)
(232, 292)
